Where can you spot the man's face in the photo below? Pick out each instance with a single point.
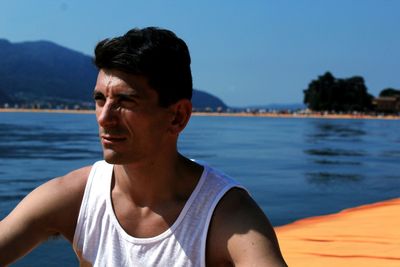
(132, 126)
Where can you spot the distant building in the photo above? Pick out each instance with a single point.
(390, 104)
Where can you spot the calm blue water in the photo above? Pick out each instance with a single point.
(294, 168)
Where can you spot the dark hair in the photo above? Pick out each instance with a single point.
(156, 53)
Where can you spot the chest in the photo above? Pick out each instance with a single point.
(143, 221)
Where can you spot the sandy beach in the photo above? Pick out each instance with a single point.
(364, 236)
(235, 114)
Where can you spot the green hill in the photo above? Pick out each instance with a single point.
(45, 73)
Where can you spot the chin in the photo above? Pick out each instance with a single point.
(112, 158)
(111, 161)
(115, 158)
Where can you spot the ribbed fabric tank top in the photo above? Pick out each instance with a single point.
(101, 241)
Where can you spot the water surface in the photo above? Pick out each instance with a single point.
(294, 168)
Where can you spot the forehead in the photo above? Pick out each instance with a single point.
(117, 80)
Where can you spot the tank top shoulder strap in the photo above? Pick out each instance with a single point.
(98, 182)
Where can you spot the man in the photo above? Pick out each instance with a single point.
(145, 204)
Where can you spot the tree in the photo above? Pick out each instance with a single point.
(389, 92)
(330, 94)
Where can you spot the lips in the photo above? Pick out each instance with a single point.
(111, 139)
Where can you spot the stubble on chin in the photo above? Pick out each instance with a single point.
(110, 156)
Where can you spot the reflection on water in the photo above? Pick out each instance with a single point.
(328, 178)
(336, 162)
(391, 154)
(333, 151)
(342, 130)
(20, 188)
(44, 142)
(336, 131)
(51, 153)
(350, 151)
(36, 147)
(14, 196)
(24, 133)
(22, 180)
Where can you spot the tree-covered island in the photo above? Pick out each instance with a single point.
(331, 94)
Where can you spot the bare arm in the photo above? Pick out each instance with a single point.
(241, 235)
(50, 209)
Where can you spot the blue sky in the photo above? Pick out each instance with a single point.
(245, 52)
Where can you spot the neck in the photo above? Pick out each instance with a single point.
(147, 184)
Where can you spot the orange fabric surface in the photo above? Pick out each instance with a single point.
(364, 236)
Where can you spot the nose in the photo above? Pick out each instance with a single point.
(106, 115)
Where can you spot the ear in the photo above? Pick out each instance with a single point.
(181, 112)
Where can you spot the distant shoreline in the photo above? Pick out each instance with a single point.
(225, 114)
(296, 115)
(28, 110)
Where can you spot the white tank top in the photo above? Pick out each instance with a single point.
(100, 240)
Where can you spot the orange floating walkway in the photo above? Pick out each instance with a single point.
(364, 236)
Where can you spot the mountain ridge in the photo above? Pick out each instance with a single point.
(45, 73)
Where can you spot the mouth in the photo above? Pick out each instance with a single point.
(107, 139)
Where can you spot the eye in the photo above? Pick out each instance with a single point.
(99, 98)
(127, 101)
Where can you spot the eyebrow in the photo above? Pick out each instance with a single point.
(133, 93)
(97, 93)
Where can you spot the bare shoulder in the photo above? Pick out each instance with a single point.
(65, 189)
(61, 198)
(70, 184)
(240, 234)
(50, 209)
